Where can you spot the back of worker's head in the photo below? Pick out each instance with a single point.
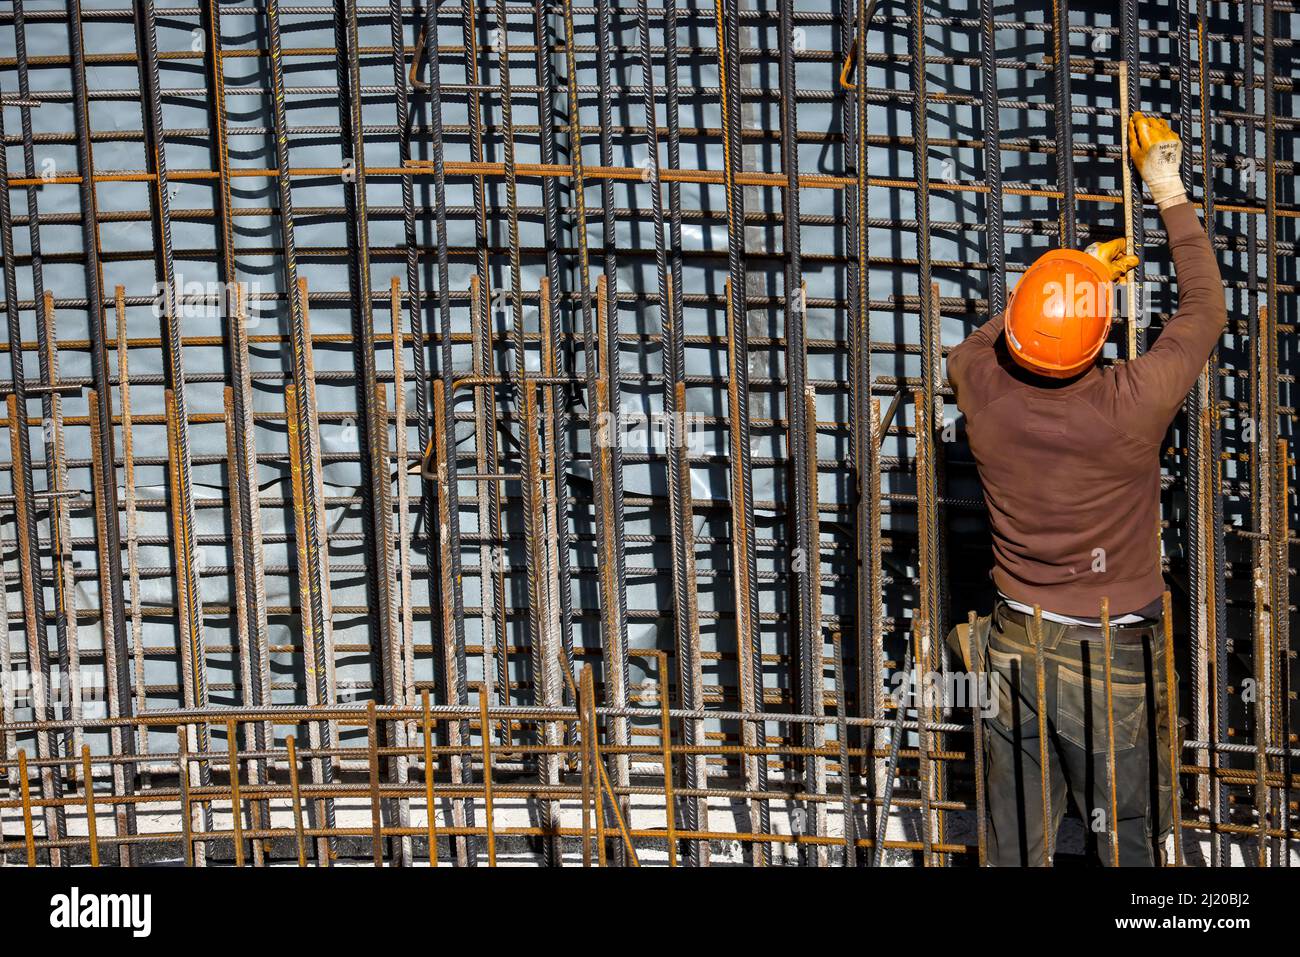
(1060, 312)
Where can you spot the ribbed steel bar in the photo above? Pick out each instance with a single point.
(617, 676)
(1197, 407)
(406, 651)
(928, 417)
(482, 337)
(1064, 122)
(1129, 44)
(304, 413)
(545, 476)
(513, 296)
(372, 400)
(56, 468)
(246, 542)
(140, 699)
(110, 552)
(70, 678)
(8, 742)
(496, 651)
(160, 199)
(1260, 402)
(690, 671)
(23, 494)
(803, 560)
(377, 484)
(415, 317)
(1209, 720)
(455, 678)
(1272, 449)
(558, 396)
(748, 637)
(605, 440)
(992, 157)
(538, 634)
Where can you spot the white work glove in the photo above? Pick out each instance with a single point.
(1157, 152)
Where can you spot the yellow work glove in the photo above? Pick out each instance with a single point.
(1157, 153)
(1112, 255)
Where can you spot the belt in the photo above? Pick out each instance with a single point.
(1089, 631)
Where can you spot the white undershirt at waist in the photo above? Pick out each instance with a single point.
(1127, 619)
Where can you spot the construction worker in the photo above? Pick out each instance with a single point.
(1068, 452)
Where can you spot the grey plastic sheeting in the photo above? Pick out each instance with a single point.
(956, 244)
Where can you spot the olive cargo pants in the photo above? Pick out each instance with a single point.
(1074, 692)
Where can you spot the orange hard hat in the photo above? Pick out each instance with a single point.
(1059, 314)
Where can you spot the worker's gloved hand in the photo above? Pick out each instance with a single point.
(1114, 257)
(1157, 153)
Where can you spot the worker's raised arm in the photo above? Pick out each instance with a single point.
(1157, 382)
(971, 361)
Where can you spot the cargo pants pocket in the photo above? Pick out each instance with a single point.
(1081, 711)
(1007, 675)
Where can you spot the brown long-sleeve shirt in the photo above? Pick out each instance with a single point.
(1071, 468)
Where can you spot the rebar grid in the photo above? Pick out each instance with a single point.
(572, 436)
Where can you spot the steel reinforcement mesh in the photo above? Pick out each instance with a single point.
(536, 414)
